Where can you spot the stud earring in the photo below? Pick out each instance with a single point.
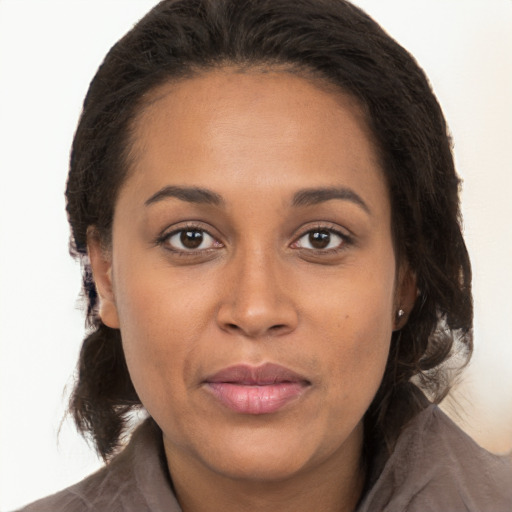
(400, 314)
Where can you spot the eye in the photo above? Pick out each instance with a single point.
(191, 239)
(320, 239)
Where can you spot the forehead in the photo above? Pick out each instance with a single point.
(226, 126)
(240, 92)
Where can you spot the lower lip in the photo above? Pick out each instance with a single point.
(253, 399)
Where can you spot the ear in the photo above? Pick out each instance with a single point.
(101, 264)
(406, 294)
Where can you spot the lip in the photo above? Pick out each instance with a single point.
(256, 390)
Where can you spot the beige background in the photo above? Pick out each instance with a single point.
(49, 51)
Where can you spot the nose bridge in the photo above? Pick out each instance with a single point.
(257, 302)
(258, 283)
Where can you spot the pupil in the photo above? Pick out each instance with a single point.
(191, 239)
(320, 239)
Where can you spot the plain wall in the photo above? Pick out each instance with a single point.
(49, 51)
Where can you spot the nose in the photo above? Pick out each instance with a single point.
(257, 302)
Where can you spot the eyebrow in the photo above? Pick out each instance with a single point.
(195, 195)
(313, 196)
(305, 197)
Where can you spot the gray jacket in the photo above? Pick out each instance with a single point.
(435, 467)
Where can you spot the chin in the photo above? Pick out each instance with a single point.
(263, 454)
(262, 467)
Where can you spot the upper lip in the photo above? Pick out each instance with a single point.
(266, 374)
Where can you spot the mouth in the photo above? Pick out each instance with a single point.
(256, 389)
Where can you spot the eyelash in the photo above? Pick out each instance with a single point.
(345, 240)
(164, 240)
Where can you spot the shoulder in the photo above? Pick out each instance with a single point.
(77, 498)
(136, 480)
(436, 466)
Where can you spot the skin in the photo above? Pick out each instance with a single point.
(256, 290)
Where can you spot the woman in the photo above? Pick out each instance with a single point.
(264, 201)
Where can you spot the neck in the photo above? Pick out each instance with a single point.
(333, 485)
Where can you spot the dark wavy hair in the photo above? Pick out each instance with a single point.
(338, 43)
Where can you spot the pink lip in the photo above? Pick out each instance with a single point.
(256, 389)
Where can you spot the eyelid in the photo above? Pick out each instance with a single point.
(169, 232)
(344, 234)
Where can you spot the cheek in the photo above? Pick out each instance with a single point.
(355, 365)
(155, 303)
(358, 338)
(163, 317)
(358, 351)
(151, 332)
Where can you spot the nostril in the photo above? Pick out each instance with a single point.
(256, 319)
(278, 327)
(272, 329)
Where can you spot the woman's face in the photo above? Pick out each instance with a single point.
(252, 272)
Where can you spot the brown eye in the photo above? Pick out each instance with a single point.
(191, 240)
(321, 239)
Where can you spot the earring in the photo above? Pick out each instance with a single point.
(399, 315)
